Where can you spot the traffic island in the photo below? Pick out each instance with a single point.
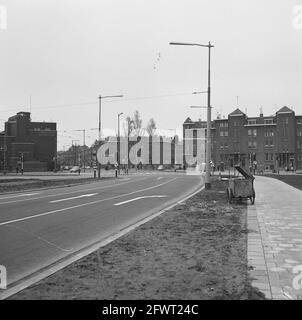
(19, 184)
(196, 250)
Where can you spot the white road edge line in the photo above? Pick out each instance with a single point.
(72, 198)
(85, 252)
(83, 204)
(138, 198)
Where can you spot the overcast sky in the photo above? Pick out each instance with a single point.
(67, 52)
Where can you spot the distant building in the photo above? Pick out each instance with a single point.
(37, 141)
(264, 142)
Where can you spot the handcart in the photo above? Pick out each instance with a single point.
(242, 187)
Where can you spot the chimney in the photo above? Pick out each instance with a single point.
(261, 112)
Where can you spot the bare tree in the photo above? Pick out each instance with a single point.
(137, 123)
(151, 127)
(128, 126)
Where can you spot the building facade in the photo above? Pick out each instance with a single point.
(35, 142)
(264, 143)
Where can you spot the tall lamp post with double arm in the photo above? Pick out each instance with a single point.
(208, 145)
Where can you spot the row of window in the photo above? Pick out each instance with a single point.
(268, 157)
(254, 122)
(223, 124)
(253, 133)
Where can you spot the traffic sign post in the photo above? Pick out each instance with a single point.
(116, 169)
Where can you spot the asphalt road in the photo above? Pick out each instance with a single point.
(38, 228)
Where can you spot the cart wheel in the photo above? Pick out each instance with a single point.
(252, 199)
(229, 194)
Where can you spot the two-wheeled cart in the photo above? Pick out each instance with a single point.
(242, 187)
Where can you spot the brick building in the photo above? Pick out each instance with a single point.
(264, 142)
(37, 141)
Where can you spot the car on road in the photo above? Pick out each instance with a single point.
(75, 169)
(160, 167)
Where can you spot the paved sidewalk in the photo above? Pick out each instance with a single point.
(275, 239)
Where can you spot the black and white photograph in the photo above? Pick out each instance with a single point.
(150, 151)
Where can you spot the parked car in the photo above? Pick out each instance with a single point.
(75, 169)
(160, 167)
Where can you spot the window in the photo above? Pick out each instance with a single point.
(226, 133)
(251, 122)
(269, 157)
(252, 132)
(268, 121)
(269, 133)
(252, 144)
(299, 121)
(299, 133)
(221, 133)
(299, 144)
(226, 145)
(300, 157)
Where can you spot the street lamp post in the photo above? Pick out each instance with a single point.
(118, 141)
(100, 123)
(208, 146)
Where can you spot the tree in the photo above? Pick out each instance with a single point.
(128, 126)
(137, 123)
(151, 127)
